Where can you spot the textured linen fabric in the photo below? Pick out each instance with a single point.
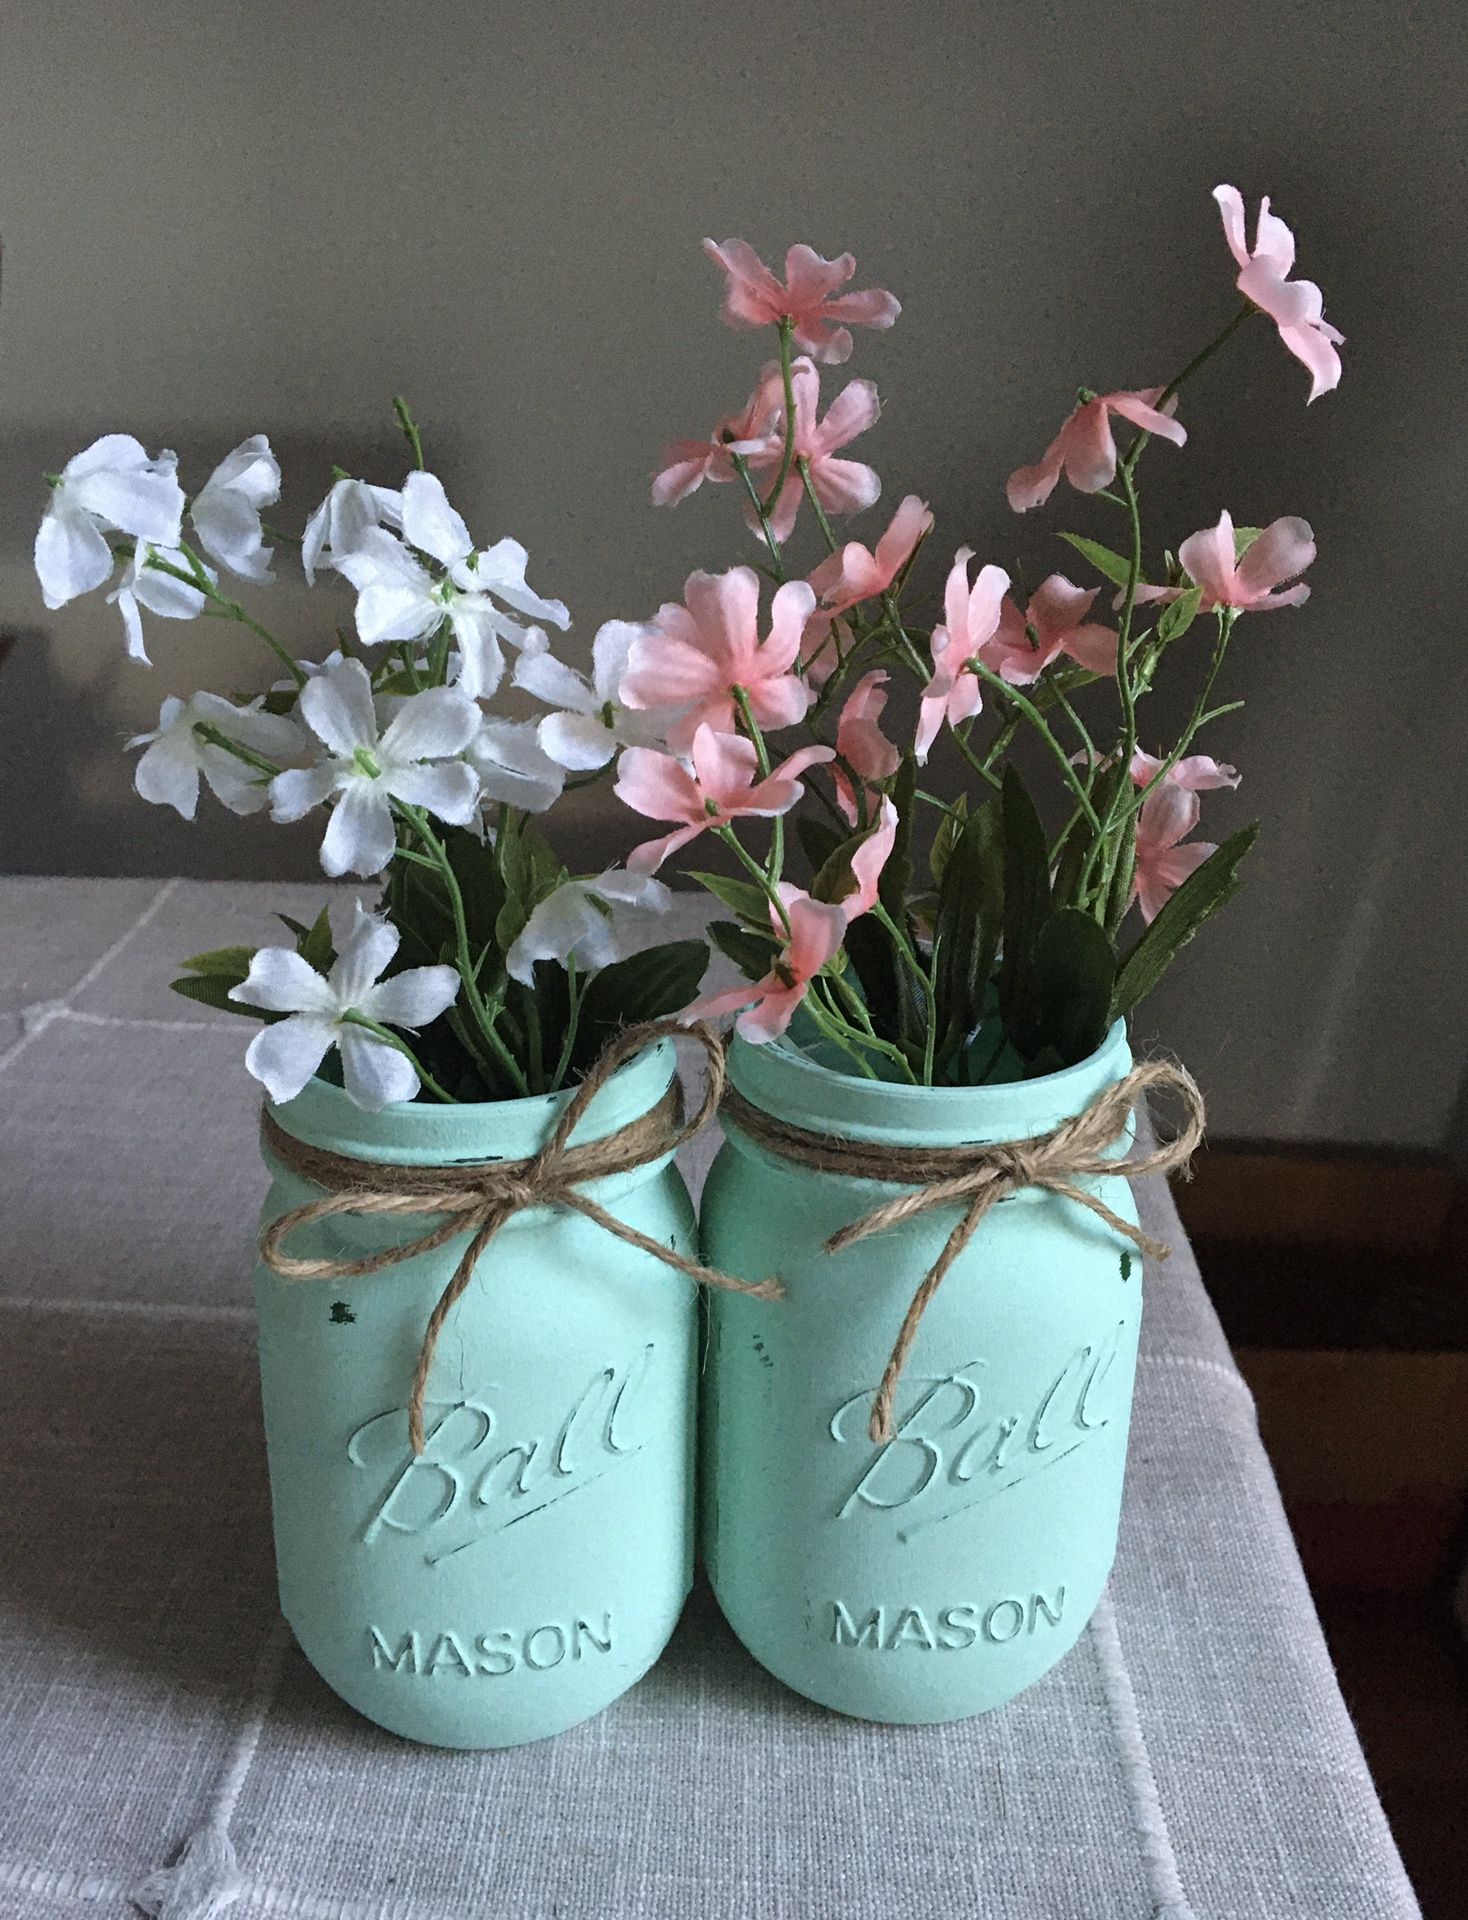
(1191, 1756)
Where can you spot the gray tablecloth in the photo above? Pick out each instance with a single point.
(1191, 1756)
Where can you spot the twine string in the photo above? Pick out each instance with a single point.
(977, 1178)
(480, 1198)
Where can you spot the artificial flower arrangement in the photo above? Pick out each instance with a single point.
(950, 977)
(1010, 957)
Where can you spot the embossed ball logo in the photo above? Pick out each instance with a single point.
(958, 1446)
(474, 1477)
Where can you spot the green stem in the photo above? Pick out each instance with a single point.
(920, 974)
(762, 756)
(535, 1043)
(741, 467)
(1083, 733)
(803, 468)
(1199, 716)
(909, 652)
(1135, 450)
(767, 885)
(787, 328)
(573, 1020)
(1037, 720)
(853, 1038)
(399, 1045)
(207, 731)
(483, 1019)
(980, 767)
(196, 577)
(830, 1023)
(409, 428)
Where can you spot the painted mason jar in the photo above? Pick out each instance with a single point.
(529, 1565)
(939, 1573)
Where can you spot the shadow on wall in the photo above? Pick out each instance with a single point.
(61, 760)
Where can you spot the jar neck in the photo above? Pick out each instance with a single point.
(430, 1133)
(781, 1080)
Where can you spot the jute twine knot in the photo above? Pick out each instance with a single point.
(480, 1198)
(977, 1178)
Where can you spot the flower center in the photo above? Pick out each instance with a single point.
(366, 764)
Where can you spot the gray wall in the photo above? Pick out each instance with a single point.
(225, 219)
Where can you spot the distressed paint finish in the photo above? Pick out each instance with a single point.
(529, 1566)
(939, 1574)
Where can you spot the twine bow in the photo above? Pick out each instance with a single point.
(979, 1177)
(480, 1198)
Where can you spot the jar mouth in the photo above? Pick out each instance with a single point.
(429, 1133)
(781, 1080)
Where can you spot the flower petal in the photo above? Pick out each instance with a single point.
(71, 556)
(366, 952)
(430, 725)
(577, 741)
(280, 981)
(360, 836)
(500, 570)
(168, 775)
(337, 706)
(1284, 549)
(285, 1055)
(374, 1074)
(430, 523)
(657, 786)
(414, 998)
(295, 792)
(448, 789)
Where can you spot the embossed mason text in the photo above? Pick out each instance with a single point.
(474, 1656)
(944, 1629)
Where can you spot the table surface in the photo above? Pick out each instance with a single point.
(1190, 1757)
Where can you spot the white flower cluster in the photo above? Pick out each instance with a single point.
(346, 734)
(421, 584)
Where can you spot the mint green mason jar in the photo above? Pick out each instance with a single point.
(529, 1566)
(938, 1574)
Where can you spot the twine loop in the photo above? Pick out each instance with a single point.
(977, 1178)
(481, 1197)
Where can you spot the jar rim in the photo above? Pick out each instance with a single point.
(782, 1080)
(430, 1133)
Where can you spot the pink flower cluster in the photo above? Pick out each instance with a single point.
(719, 685)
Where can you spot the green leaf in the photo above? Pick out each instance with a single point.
(1066, 1005)
(476, 868)
(1204, 891)
(1112, 565)
(1244, 538)
(229, 963)
(818, 839)
(1178, 615)
(896, 881)
(297, 927)
(753, 953)
(743, 897)
(212, 990)
(946, 838)
(315, 945)
(655, 982)
(967, 926)
(1026, 891)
